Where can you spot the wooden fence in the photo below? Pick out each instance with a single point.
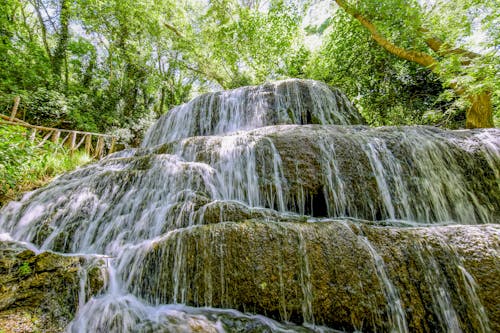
(94, 143)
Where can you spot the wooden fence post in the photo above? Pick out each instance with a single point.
(33, 135)
(55, 136)
(17, 100)
(112, 148)
(71, 142)
(99, 147)
(88, 144)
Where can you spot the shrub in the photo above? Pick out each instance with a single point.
(16, 153)
(25, 165)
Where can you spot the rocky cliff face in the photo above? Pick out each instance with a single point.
(40, 292)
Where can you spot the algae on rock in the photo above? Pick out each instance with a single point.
(324, 273)
(41, 292)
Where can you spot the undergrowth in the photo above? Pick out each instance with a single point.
(26, 165)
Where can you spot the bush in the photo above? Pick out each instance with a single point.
(45, 107)
(41, 107)
(24, 165)
(15, 155)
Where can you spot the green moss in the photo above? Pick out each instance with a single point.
(40, 291)
(270, 268)
(24, 269)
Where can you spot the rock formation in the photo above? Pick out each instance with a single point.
(273, 208)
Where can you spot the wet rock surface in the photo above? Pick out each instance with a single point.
(265, 209)
(400, 173)
(324, 273)
(40, 292)
(286, 102)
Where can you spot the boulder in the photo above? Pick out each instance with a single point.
(42, 291)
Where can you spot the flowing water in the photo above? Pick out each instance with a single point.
(273, 209)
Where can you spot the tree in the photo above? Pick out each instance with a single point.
(405, 29)
(23, 63)
(58, 54)
(101, 65)
(386, 89)
(235, 43)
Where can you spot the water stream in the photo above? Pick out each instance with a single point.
(273, 209)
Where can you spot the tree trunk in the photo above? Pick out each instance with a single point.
(480, 112)
(60, 52)
(43, 29)
(162, 101)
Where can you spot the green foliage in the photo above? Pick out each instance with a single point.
(22, 161)
(24, 270)
(45, 107)
(458, 27)
(386, 89)
(16, 153)
(56, 162)
(110, 65)
(233, 43)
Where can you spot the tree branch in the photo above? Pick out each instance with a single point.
(43, 28)
(174, 30)
(480, 112)
(207, 71)
(437, 45)
(420, 58)
(49, 18)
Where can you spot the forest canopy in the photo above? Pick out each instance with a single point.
(114, 66)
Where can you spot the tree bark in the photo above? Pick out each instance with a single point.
(62, 44)
(480, 112)
(420, 58)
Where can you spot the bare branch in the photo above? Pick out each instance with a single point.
(174, 30)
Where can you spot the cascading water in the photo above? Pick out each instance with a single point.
(286, 102)
(274, 200)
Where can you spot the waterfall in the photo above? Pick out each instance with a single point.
(285, 102)
(273, 208)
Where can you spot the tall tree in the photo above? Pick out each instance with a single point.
(386, 89)
(59, 56)
(59, 26)
(405, 29)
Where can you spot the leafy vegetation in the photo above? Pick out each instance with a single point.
(24, 165)
(435, 34)
(116, 65)
(108, 65)
(24, 269)
(387, 90)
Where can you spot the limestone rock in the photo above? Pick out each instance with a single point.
(327, 273)
(40, 292)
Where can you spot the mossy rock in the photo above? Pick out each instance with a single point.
(325, 273)
(39, 292)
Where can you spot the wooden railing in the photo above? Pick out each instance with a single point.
(94, 143)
